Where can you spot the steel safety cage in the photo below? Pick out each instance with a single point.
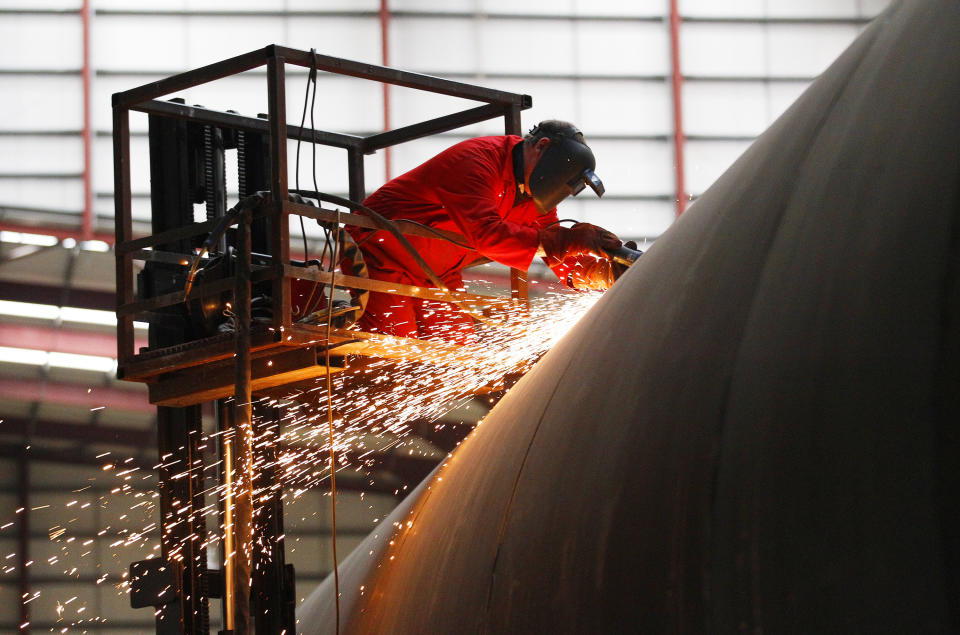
(495, 104)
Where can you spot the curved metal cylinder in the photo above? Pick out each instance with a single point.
(756, 428)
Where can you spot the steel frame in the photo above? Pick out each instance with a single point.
(188, 614)
(144, 99)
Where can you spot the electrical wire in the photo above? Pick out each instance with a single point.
(311, 78)
(330, 432)
(332, 246)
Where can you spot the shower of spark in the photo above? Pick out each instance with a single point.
(372, 411)
(388, 395)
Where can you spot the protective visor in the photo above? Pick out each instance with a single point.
(589, 177)
(565, 168)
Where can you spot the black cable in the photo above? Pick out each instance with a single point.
(311, 77)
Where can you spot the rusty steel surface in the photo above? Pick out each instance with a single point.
(755, 429)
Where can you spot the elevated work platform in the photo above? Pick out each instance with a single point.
(193, 364)
(231, 313)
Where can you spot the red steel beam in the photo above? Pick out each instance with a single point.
(60, 233)
(60, 340)
(677, 84)
(13, 389)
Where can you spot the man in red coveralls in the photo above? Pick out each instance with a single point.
(501, 194)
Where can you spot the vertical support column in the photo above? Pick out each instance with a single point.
(242, 507)
(385, 61)
(86, 229)
(180, 476)
(23, 538)
(519, 287)
(272, 593)
(123, 228)
(679, 140)
(225, 425)
(355, 175)
(280, 221)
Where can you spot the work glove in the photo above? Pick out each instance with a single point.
(587, 272)
(560, 242)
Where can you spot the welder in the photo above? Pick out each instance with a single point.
(500, 193)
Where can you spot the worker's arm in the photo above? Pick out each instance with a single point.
(471, 193)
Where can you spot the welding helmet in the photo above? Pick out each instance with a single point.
(564, 168)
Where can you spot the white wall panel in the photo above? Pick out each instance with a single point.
(409, 106)
(438, 6)
(210, 39)
(238, 5)
(621, 48)
(782, 95)
(814, 8)
(327, 5)
(806, 50)
(726, 9)
(778, 50)
(527, 46)
(42, 102)
(706, 160)
(529, 7)
(535, 7)
(40, 4)
(627, 219)
(59, 194)
(630, 167)
(38, 154)
(330, 168)
(552, 99)
(781, 8)
(640, 8)
(101, 106)
(624, 107)
(42, 41)
(139, 165)
(724, 108)
(433, 45)
(343, 104)
(873, 7)
(142, 43)
(352, 38)
(723, 50)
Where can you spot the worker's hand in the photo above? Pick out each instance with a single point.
(559, 242)
(587, 272)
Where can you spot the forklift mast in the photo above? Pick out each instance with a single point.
(191, 359)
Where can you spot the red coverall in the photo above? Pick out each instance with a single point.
(469, 189)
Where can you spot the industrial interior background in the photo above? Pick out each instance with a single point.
(667, 93)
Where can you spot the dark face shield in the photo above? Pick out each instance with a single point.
(589, 177)
(564, 169)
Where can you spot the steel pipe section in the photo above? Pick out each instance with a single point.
(756, 428)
